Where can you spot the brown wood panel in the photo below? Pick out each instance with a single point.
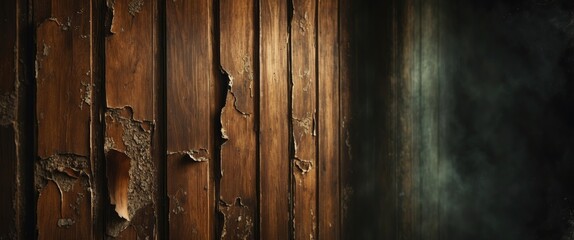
(328, 119)
(274, 120)
(8, 101)
(63, 78)
(130, 57)
(303, 118)
(63, 109)
(238, 183)
(131, 83)
(189, 118)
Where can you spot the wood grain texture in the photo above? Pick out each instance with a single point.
(64, 80)
(131, 57)
(238, 183)
(189, 118)
(303, 118)
(8, 102)
(132, 85)
(63, 109)
(328, 119)
(274, 124)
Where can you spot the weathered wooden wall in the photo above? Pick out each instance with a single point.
(214, 119)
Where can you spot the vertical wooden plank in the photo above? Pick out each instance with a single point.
(131, 81)
(328, 119)
(8, 126)
(274, 130)
(63, 109)
(238, 183)
(303, 118)
(189, 118)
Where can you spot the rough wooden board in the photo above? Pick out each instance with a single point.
(189, 118)
(131, 82)
(63, 110)
(238, 183)
(274, 131)
(303, 118)
(328, 120)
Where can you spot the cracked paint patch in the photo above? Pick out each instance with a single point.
(129, 140)
(63, 169)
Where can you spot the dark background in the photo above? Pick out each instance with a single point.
(507, 121)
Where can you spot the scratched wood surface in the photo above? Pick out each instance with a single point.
(189, 118)
(303, 77)
(131, 96)
(63, 99)
(238, 163)
(328, 83)
(274, 123)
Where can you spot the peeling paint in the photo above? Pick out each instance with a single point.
(86, 94)
(244, 224)
(307, 124)
(196, 155)
(62, 169)
(135, 143)
(65, 222)
(135, 6)
(112, 12)
(304, 165)
(230, 91)
(7, 108)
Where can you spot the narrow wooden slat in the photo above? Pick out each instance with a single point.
(131, 79)
(238, 185)
(303, 118)
(189, 118)
(274, 130)
(63, 109)
(328, 123)
(8, 147)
